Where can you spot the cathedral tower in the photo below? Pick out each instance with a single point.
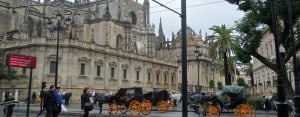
(146, 6)
(161, 36)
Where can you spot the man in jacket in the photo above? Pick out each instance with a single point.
(58, 96)
(9, 108)
(50, 103)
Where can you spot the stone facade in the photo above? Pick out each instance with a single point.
(265, 79)
(110, 44)
(171, 50)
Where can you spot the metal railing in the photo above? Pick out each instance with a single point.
(5, 104)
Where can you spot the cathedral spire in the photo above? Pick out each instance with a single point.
(200, 34)
(97, 9)
(173, 40)
(106, 15)
(76, 3)
(161, 36)
(97, 6)
(160, 31)
(146, 7)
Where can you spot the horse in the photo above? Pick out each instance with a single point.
(175, 97)
(102, 98)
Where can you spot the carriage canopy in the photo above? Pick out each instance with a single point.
(239, 91)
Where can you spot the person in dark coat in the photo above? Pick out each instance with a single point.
(10, 108)
(33, 96)
(50, 103)
(67, 98)
(86, 103)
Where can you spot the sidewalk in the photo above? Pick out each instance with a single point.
(74, 110)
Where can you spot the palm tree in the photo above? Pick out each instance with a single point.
(249, 72)
(232, 69)
(221, 47)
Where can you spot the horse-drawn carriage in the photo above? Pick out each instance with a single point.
(160, 98)
(129, 99)
(234, 98)
(229, 98)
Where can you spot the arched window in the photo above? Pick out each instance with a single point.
(119, 41)
(39, 28)
(133, 17)
(30, 26)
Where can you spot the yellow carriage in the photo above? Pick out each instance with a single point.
(129, 100)
(159, 97)
(230, 98)
(234, 97)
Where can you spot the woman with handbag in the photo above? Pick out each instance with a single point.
(86, 103)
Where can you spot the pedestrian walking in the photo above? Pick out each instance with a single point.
(50, 103)
(67, 98)
(10, 107)
(267, 104)
(58, 97)
(86, 101)
(33, 97)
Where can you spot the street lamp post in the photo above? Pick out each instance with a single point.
(183, 55)
(280, 50)
(295, 66)
(58, 27)
(197, 55)
(213, 74)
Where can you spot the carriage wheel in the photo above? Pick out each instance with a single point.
(113, 109)
(162, 106)
(134, 107)
(212, 110)
(243, 109)
(123, 108)
(146, 107)
(171, 106)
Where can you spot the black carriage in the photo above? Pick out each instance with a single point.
(234, 97)
(207, 103)
(160, 98)
(129, 99)
(229, 98)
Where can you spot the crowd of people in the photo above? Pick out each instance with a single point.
(53, 101)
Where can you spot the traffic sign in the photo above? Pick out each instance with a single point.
(23, 61)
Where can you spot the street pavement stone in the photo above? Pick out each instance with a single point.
(75, 111)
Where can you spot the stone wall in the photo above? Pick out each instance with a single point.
(73, 53)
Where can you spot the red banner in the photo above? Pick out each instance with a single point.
(15, 60)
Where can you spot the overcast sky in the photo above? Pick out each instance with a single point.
(201, 15)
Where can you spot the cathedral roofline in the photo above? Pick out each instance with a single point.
(77, 44)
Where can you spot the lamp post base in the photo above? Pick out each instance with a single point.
(296, 104)
(282, 110)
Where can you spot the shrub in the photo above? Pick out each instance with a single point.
(256, 102)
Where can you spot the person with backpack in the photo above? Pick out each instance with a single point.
(86, 101)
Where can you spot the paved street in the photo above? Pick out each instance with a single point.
(74, 111)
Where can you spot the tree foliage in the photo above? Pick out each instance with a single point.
(219, 64)
(257, 22)
(211, 84)
(241, 82)
(249, 72)
(5, 72)
(219, 85)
